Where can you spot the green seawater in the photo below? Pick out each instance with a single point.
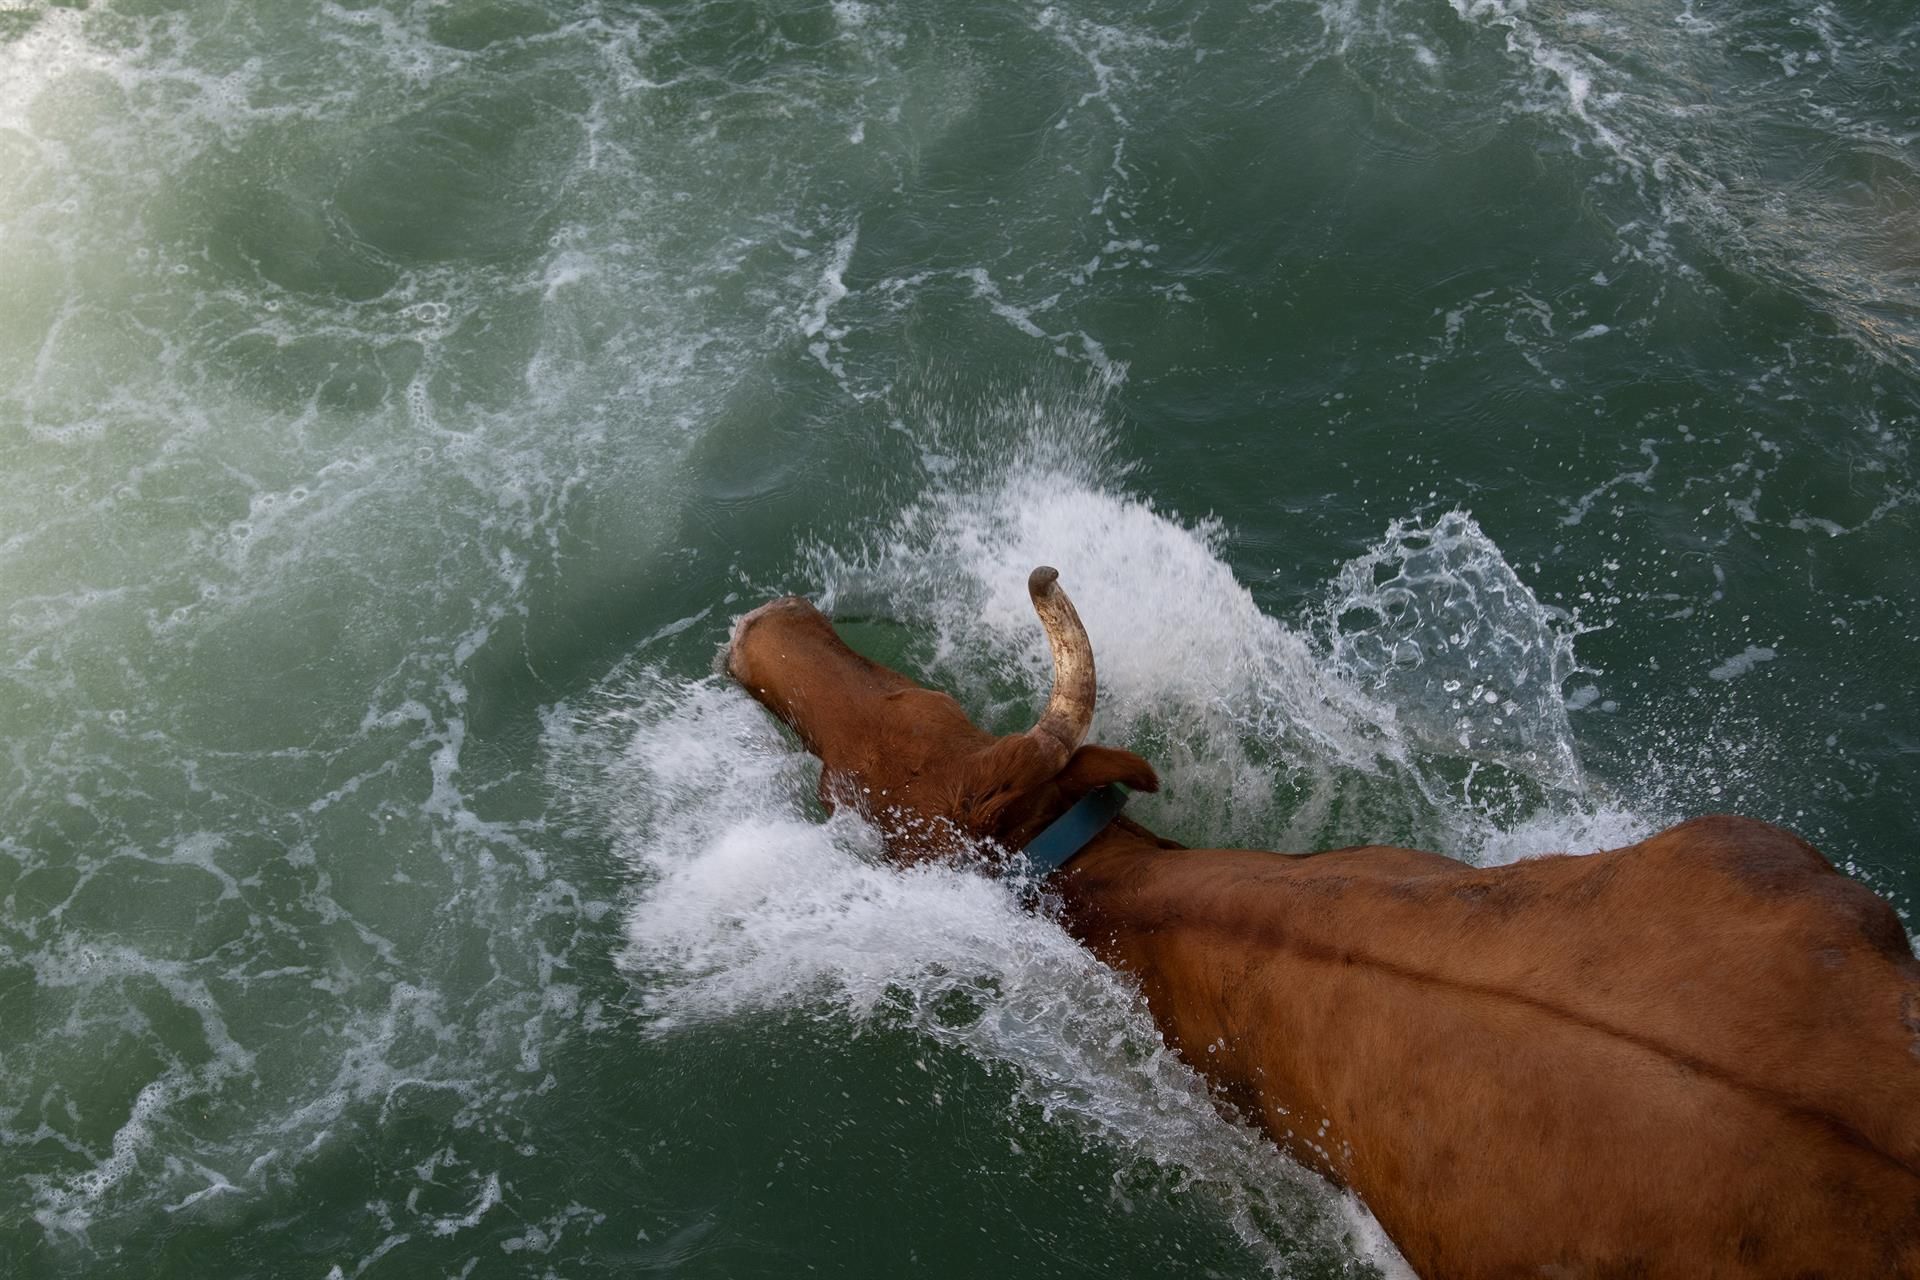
(1487, 425)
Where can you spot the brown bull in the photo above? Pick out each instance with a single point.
(1695, 1056)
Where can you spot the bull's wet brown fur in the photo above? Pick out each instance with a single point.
(1698, 1055)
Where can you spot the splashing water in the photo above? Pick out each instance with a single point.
(1422, 702)
(749, 903)
(1436, 621)
(752, 905)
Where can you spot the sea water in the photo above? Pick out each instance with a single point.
(1484, 426)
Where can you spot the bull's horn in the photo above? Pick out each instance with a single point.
(1069, 712)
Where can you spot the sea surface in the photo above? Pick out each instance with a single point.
(1487, 425)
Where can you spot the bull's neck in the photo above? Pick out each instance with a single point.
(1095, 885)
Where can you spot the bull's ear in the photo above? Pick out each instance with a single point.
(1093, 767)
(1015, 775)
(1017, 764)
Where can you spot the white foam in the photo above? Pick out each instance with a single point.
(1643, 478)
(1741, 663)
(54, 48)
(1605, 825)
(1020, 318)
(832, 287)
(489, 1198)
(66, 1205)
(1112, 53)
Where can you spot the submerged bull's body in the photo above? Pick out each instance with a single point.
(1698, 1055)
(1690, 1057)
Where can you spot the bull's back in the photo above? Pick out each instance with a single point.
(1697, 1055)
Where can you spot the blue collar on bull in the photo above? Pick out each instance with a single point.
(1074, 830)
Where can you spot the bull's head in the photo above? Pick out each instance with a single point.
(909, 758)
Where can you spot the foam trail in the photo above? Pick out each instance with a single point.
(239, 434)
